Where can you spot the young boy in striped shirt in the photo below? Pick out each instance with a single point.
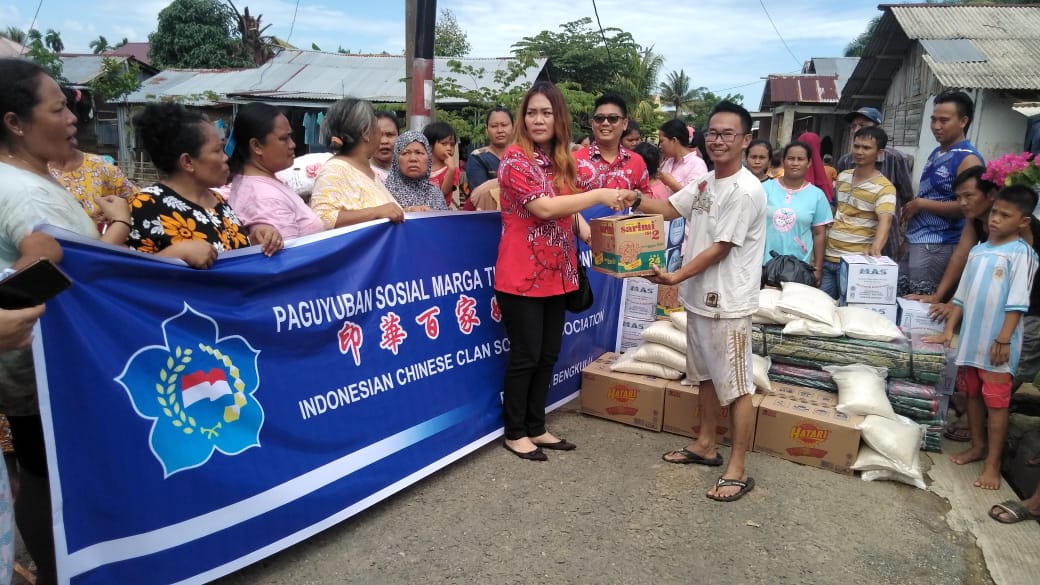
(992, 296)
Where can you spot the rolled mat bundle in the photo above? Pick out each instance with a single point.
(816, 352)
(928, 359)
(923, 404)
(805, 377)
(758, 340)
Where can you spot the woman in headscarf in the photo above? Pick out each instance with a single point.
(817, 174)
(409, 177)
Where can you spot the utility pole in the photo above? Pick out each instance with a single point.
(420, 105)
(409, 54)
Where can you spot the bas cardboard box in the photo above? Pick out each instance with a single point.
(631, 334)
(682, 413)
(640, 299)
(914, 318)
(889, 312)
(868, 279)
(802, 425)
(628, 245)
(625, 398)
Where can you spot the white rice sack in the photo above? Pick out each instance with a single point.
(657, 353)
(663, 333)
(799, 326)
(861, 390)
(896, 439)
(889, 475)
(300, 176)
(808, 302)
(627, 363)
(767, 311)
(860, 323)
(876, 467)
(760, 372)
(678, 320)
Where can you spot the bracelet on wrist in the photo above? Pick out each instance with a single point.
(122, 221)
(998, 342)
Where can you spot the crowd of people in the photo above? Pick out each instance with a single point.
(742, 200)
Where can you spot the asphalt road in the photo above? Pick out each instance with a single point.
(613, 512)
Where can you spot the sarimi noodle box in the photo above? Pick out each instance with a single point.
(802, 425)
(628, 245)
(626, 398)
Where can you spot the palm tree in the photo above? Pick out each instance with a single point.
(676, 91)
(637, 83)
(99, 45)
(120, 43)
(53, 41)
(15, 34)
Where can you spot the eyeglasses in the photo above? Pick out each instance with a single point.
(611, 119)
(727, 136)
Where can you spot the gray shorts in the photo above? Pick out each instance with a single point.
(922, 269)
(1029, 359)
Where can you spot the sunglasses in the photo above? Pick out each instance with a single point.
(611, 119)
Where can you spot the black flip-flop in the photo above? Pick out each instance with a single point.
(1014, 510)
(745, 487)
(691, 457)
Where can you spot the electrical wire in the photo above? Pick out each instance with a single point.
(32, 26)
(789, 51)
(292, 24)
(602, 34)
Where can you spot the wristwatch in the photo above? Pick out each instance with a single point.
(639, 199)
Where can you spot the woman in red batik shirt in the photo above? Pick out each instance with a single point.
(537, 263)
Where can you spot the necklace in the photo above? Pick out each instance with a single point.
(43, 172)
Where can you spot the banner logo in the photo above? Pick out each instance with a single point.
(198, 391)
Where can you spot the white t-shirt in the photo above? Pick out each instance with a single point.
(733, 210)
(26, 200)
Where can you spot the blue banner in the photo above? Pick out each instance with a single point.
(198, 421)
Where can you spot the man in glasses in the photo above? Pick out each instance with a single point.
(606, 163)
(718, 285)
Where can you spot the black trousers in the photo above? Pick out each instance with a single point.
(535, 329)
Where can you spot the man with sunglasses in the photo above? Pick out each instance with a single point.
(606, 163)
(718, 285)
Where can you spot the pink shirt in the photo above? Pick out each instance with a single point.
(264, 200)
(690, 168)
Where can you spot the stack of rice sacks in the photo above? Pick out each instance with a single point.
(663, 353)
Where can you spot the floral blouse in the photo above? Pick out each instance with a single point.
(92, 179)
(536, 258)
(161, 217)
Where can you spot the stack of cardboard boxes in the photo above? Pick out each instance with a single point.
(871, 283)
(793, 423)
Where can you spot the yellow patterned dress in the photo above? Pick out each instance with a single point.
(161, 217)
(94, 178)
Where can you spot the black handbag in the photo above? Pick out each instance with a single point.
(581, 299)
(786, 268)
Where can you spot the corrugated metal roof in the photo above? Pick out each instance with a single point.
(310, 75)
(1006, 37)
(840, 66)
(939, 21)
(952, 50)
(803, 89)
(1027, 109)
(82, 69)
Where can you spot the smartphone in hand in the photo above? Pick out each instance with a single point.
(33, 285)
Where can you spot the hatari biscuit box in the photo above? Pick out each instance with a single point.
(628, 245)
(803, 425)
(630, 399)
(682, 411)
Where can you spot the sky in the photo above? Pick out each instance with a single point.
(725, 46)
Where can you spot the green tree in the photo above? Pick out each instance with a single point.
(468, 120)
(117, 78)
(44, 55)
(638, 84)
(99, 45)
(120, 43)
(449, 40)
(197, 34)
(53, 41)
(858, 44)
(15, 34)
(582, 54)
(676, 92)
(706, 102)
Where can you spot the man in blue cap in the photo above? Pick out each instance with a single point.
(891, 163)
